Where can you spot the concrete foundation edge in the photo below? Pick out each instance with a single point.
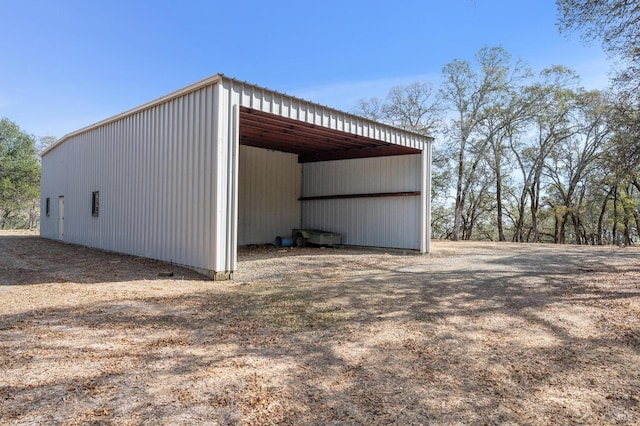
(216, 275)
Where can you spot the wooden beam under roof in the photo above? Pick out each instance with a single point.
(311, 142)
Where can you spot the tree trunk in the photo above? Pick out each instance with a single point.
(635, 212)
(467, 227)
(33, 215)
(556, 229)
(519, 226)
(603, 211)
(533, 232)
(457, 220)
(577, 226)
(562, 239)
(499, 205)
(535, 204)
(628, 211)
(627, 233)
(614, 239)
(521, 212)
(5, 218)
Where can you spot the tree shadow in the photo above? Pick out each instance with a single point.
(399, 340)
(29, 259)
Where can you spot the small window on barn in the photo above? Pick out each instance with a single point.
(95, 203)
(47, 206)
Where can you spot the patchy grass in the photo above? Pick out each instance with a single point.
(476, 333)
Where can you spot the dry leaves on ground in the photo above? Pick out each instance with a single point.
(476, 333)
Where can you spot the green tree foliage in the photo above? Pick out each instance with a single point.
(471, 93)
(615, 22)
(19, 177)
(523, 157)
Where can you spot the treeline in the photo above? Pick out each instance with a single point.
(523, 156)
(19, 178)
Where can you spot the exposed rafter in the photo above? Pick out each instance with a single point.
(311, 142)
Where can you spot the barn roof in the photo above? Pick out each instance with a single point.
(276, 121)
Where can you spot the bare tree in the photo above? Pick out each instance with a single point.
(549, 107)
(414, 107)
(571, 165)
(44, 142)
(417, 108)
(470, 94)
(371, 109)
(524, 159)
(503, 120)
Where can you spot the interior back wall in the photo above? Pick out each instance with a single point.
(269, 185)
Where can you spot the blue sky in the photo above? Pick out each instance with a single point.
(67, 64)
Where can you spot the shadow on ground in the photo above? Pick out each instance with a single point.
(508, 335)
(29, 259)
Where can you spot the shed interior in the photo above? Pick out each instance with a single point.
(273, 150)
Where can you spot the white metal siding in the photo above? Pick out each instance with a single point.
(154, 173)
(398, 173)
(375, 221)
(52, 179)
(401, 222)
(168, 174)
(225, 179)
(425, 216)
(269, 187)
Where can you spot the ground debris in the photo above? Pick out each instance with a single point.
(477, 333)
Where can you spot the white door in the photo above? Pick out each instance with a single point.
(61, 218)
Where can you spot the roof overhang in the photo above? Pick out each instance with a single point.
(276, 121)
(310, 141)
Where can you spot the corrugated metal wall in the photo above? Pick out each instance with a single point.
(155, 173)
(380, 222)
(383, 222)
(269, 187)
(52, 185)
(168, 175)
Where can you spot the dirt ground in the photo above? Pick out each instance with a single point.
(475, 333)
